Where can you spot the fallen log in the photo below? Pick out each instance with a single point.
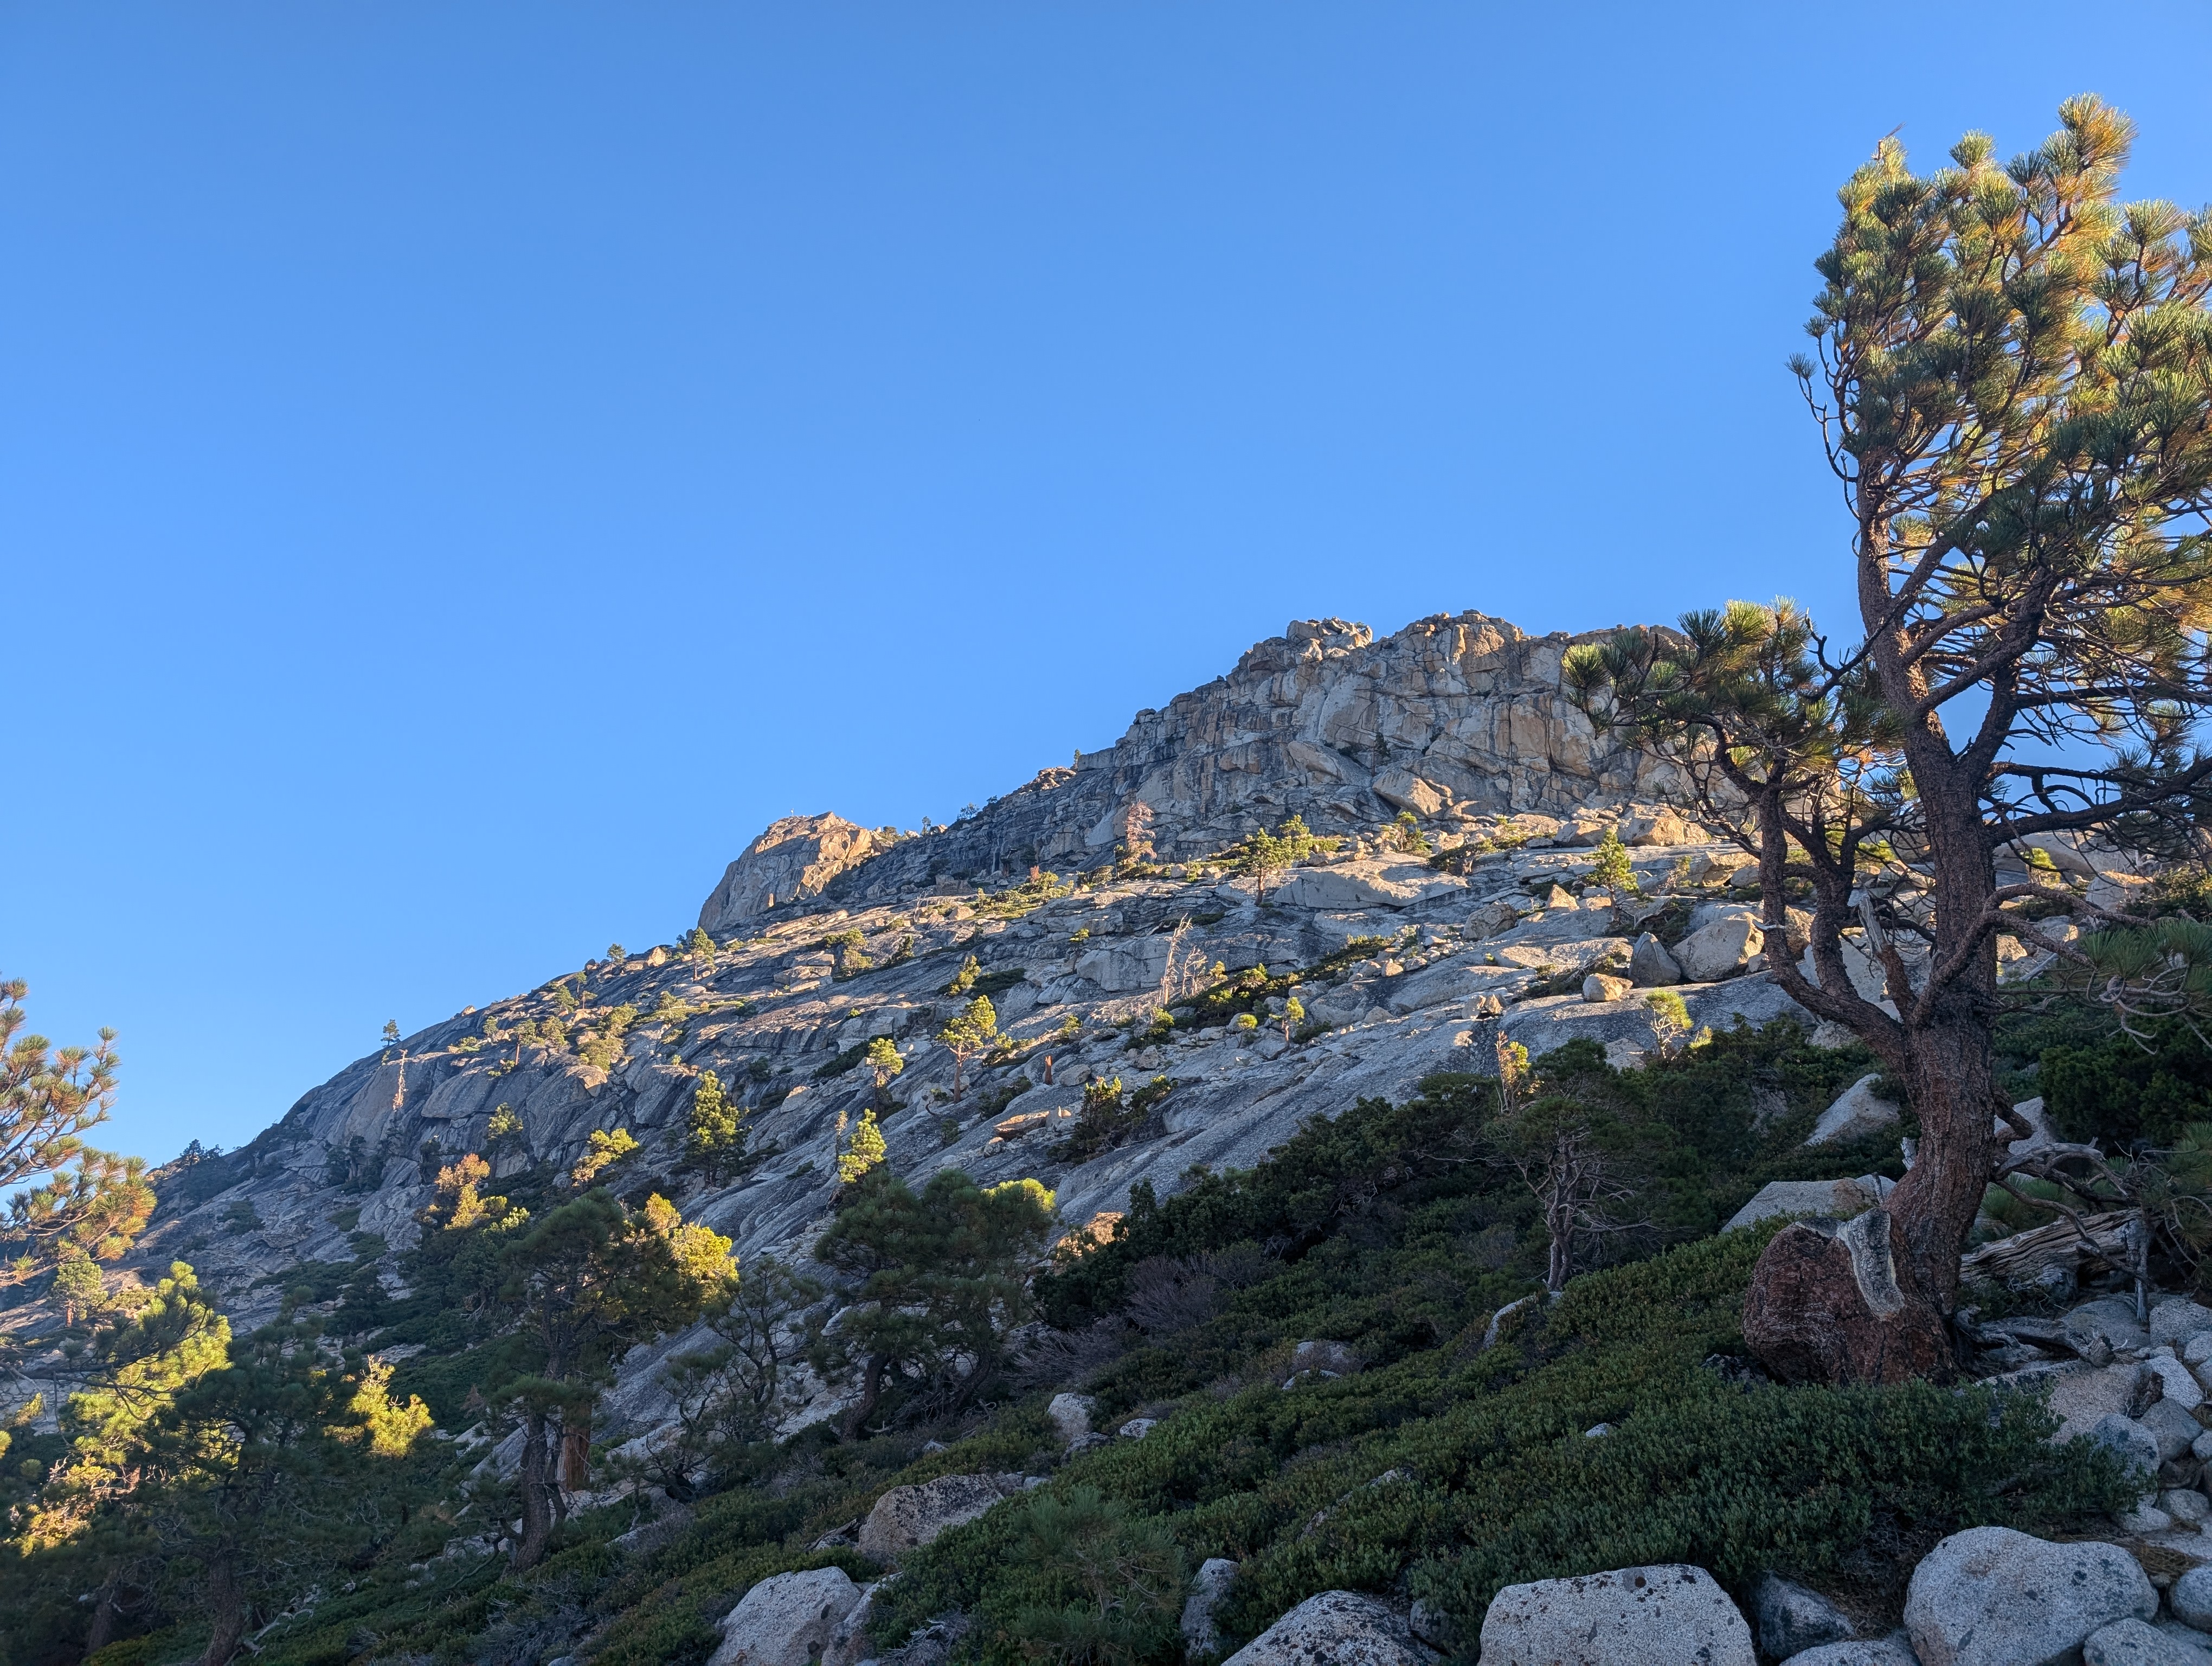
(2107, 1238)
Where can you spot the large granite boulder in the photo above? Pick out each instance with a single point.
(1990, 1596)
(907, 1517)
(786, 1620)
(1839, 1199)
(1339, 1627)
(1825, 1307)
(1720, 950)
(1629, 1617)
(1858, 1112)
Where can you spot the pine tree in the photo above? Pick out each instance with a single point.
(860, 1152)
(584, 1284)
(883, 1061)
(2013, 381)
(1611, 870)
(976, 1029)
(943, 1276)
(714, 1129)
(606, 1148)
(91, 1202)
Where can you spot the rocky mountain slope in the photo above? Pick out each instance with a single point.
(826, 935)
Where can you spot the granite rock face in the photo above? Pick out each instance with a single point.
(1414, 964)
(795, 860)
(1324, 721)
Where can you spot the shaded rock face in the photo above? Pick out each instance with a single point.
(1629, 1617)
(1825, 1307)
(1990, 1596)
(795, 859)
(1323, 721)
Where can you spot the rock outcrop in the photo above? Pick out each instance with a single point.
(794, 861)
(1456, 712)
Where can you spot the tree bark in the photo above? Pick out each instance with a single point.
(226, 1601)
(537, 1507)
(872, 1393)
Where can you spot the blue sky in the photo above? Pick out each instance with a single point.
(464, 469)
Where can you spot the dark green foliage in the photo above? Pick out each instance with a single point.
(1459, 1472)
(939, 1276)
(1109, 1118)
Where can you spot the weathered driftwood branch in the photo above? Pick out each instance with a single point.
(2109, 1238)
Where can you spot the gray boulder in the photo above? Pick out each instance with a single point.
(1200, 1636)
(1856, 1112)
(1990, 1596)
(1336, 1358)
(2173, 1428)
(786, 1620)
(907, 1517)
(849, 1642)
(1340, 1628)
(1791, 1619)
(1891, 1650)
(1650, 965)
(2135, 1444)
(2172, 1323)
(1601, 987)
(2110, 1319)
(2190, 1597)
(1070, 1414)
(1839, 1199)
(1628, 1617)
(1719, 950)
(2081, 1394)
(2132, 1643)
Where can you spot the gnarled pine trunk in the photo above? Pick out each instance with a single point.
(537, 1484)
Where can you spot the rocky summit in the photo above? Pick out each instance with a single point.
(1413, 944)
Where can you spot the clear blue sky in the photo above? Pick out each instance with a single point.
(464, 469)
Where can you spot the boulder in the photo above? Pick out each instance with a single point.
(1200, 1636)
(792, 860)
(1600, 987)
(2081, 1394)
(2132, 1643)
(1070, 1414)
(2191, 1598)
(1720, 950)
(1337, 1359)
(1650, 965)
(907, 1517)
(2133, 1444)
(1990, 1596)
(786, 1620)
(1838, 1198)
(1661, 827)
(1402, 789)
(1891, 1650)
(2173, 1428)
(1791, 1619)
(1629, 1617)
(1341, 1628)
(1824, 1306)
(1856, 1113)
(2175, 1321)
(2178, 1383)
(849, 1642)
(2109, 1320)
